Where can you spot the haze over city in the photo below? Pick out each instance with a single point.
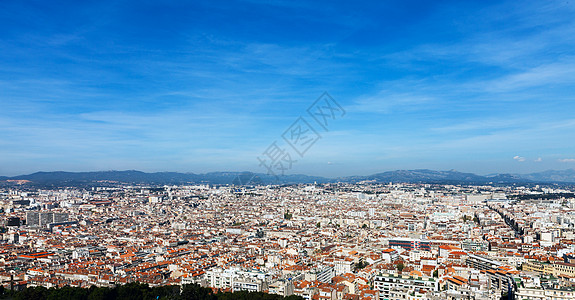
(483, 87)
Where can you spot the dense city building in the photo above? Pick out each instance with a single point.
(364, 240)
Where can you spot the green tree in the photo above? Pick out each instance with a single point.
(360, 265)
(196, 292)
(102, 293)
(67, 292)
(400, 266)
(32, 293)
(133, 291)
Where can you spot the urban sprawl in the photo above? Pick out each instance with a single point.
(363, 240)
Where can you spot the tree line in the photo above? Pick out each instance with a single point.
(135, 291)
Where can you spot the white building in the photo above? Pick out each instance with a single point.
(386, 284)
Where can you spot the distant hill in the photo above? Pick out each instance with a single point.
(452, 176)
(552, 176)
(507, 178)
(425, 176)
(61, 178)
(58, 178)
(431, 176)
(122, 176)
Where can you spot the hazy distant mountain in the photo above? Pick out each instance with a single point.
(424, 175)
(452, 176)
(506, 178)
(552, 176)
(122, 176)
(132, 176)
(249, 178)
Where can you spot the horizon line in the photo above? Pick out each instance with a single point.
(298, 174)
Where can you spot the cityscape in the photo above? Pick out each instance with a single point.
(364, 240)
(287, 150)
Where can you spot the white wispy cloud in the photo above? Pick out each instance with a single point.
(557, 73)
(519, 158)
(484, 124)
(388, 103)
(567, 160)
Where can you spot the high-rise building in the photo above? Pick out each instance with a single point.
(60, 217)
(33, 218)
(410, 244)
(46, 218)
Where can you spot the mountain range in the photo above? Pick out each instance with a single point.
(61, 178)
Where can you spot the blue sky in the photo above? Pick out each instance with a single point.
(203, 86)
